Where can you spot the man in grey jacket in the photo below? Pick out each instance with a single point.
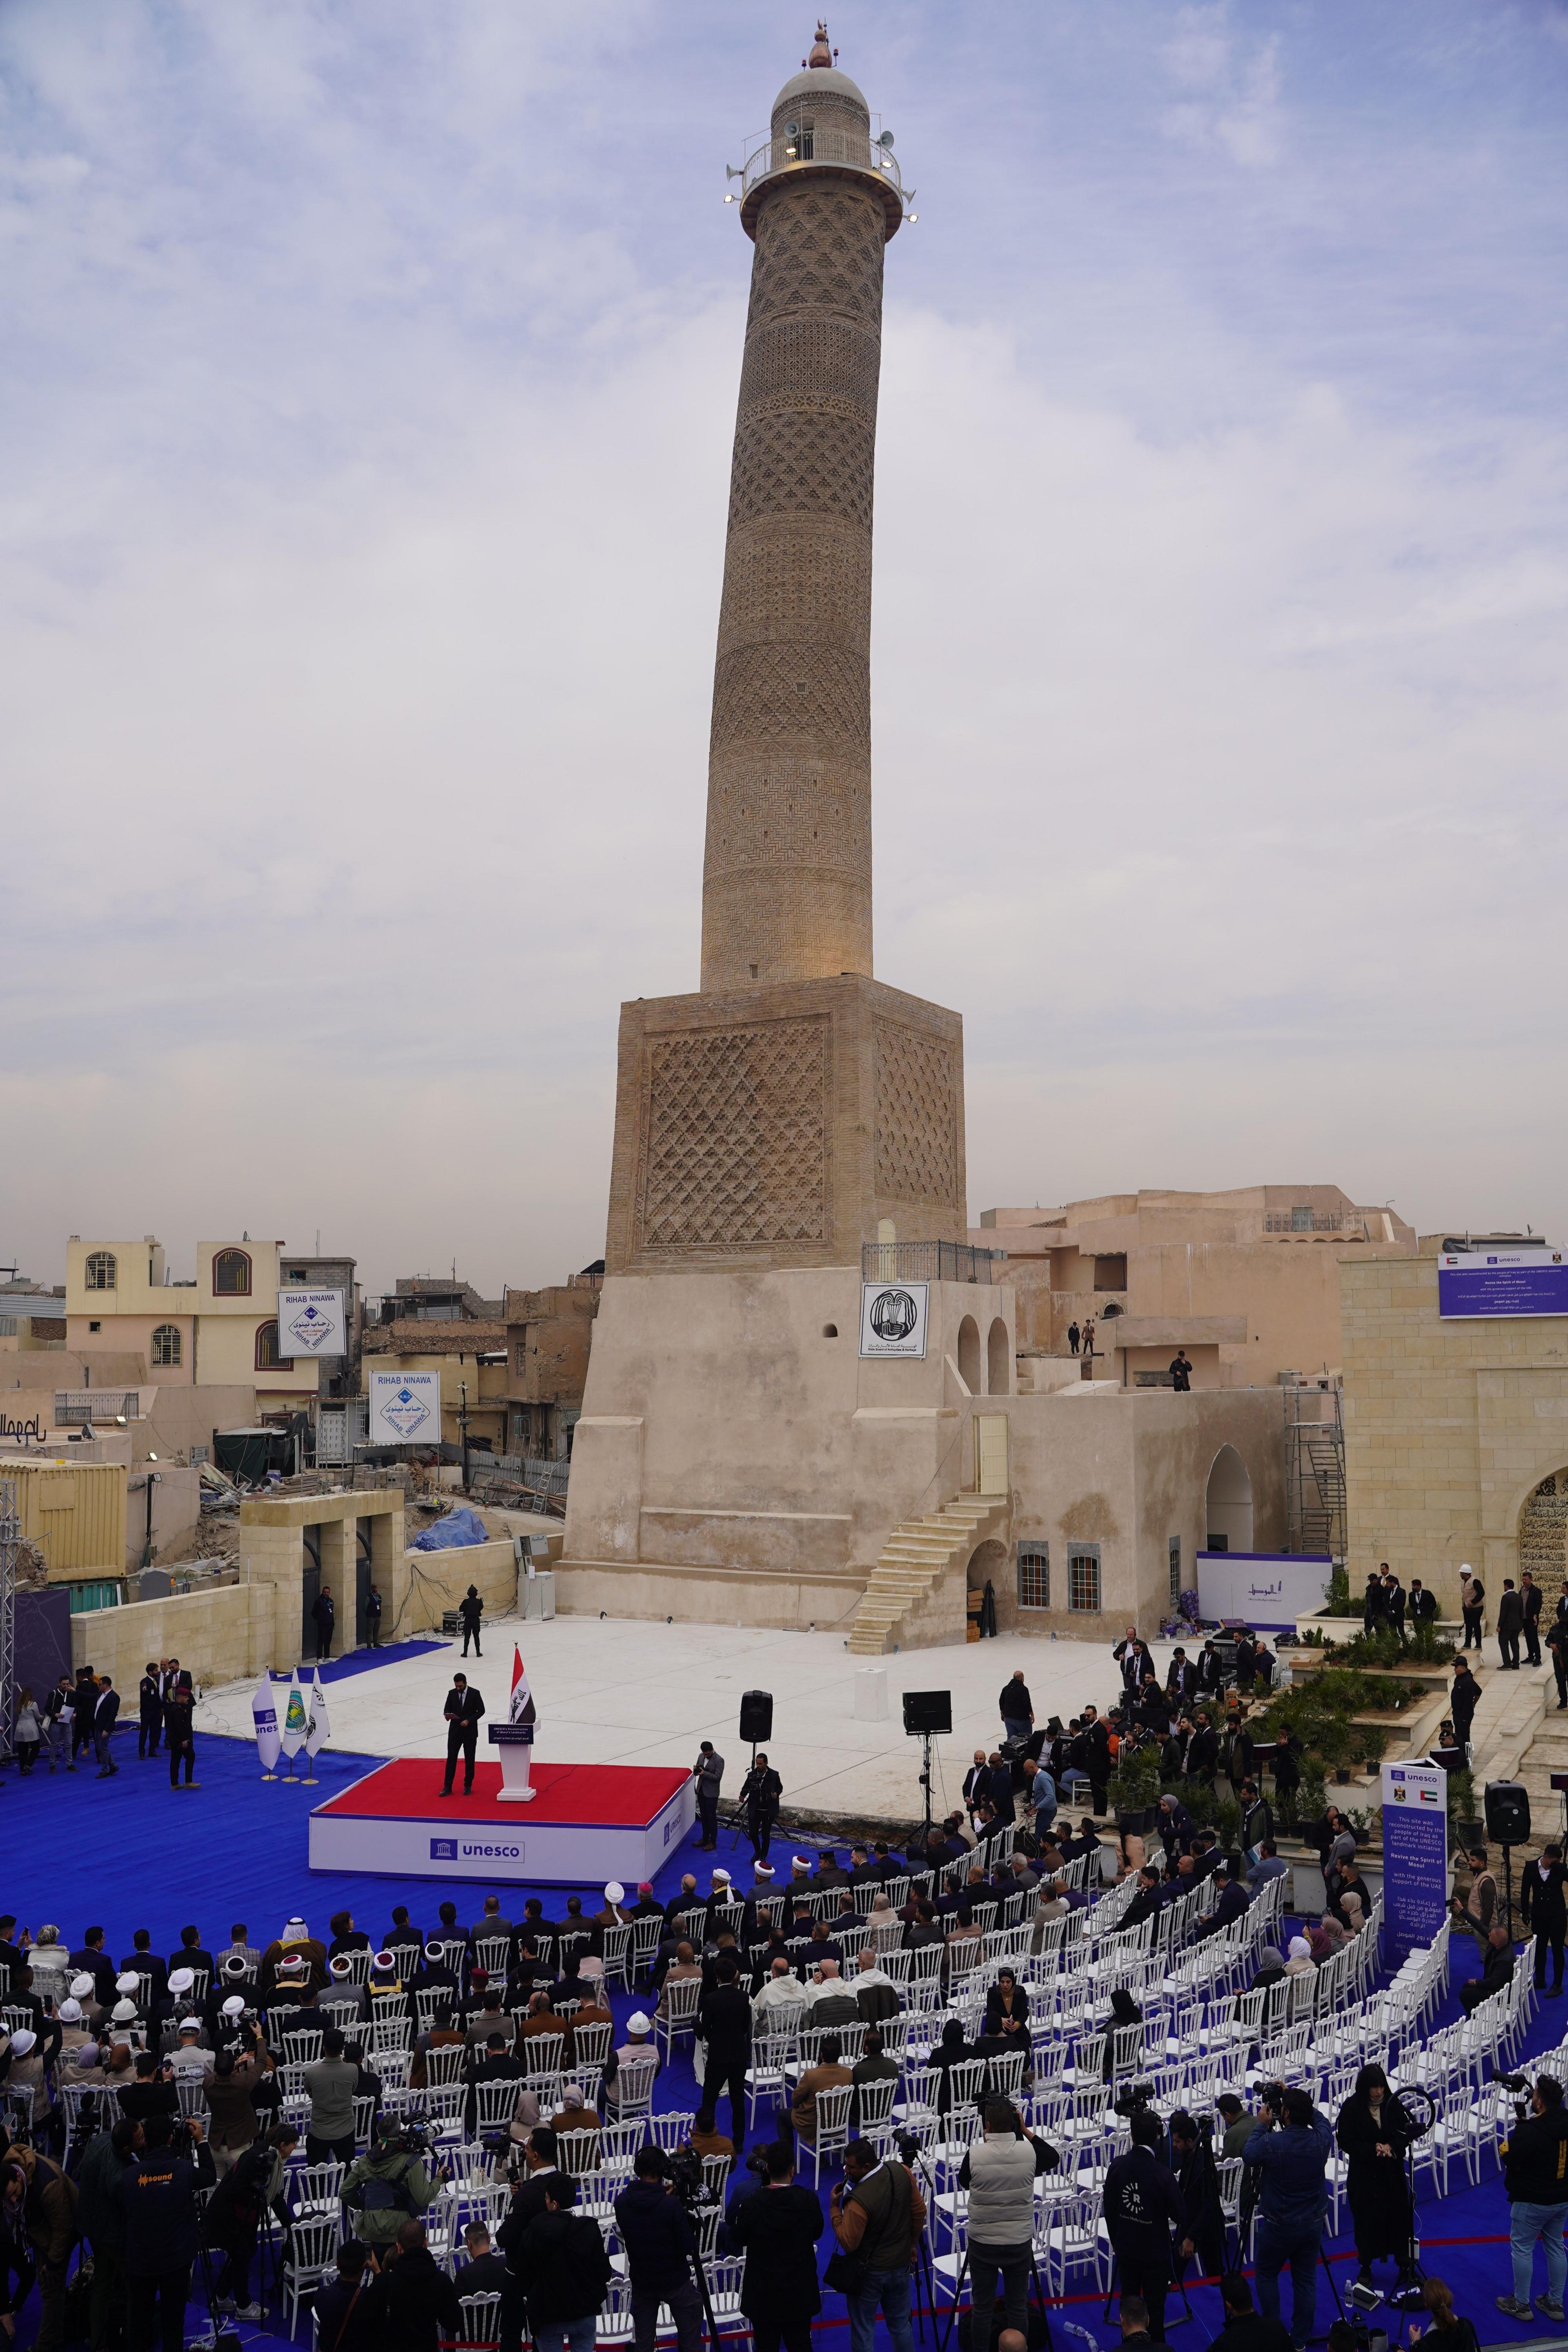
(331, 2085)
(999, 2172)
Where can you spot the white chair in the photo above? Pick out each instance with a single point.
(493, 1953)
(364, 2121)
(577, 2152)
(832, 2125)
(591, 2046)
(479, 2324)
(874, 2106)
(677, 2010)
(631, 2094)
(302, 2048)
(617, 1956)
(671, 2128)
(317, 2187)
(444, 2065)
(494, 2105)
(647, 1934)
(310, 2252)
(619, 2145)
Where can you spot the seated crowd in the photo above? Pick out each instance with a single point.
(951, 1981)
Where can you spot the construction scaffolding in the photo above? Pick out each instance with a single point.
(10, 1535)
(1315, 1470)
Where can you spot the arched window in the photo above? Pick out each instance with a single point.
(231, 1274)
(166, 1344)
(969, 1355)
(1229, 1503)
(268, 1358)
(102, 1270)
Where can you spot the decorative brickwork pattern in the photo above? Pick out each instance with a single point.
(916, 1116)
(787, 862)
(736, 1130)
(1544, 1536)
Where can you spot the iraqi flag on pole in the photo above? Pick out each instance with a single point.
(318, 1728)
(522, 1708)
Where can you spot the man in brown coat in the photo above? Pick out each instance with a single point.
(826, 2076)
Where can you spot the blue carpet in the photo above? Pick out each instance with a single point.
(80, 1852)
(362, 1661)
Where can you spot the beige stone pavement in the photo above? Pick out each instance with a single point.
(618, 1690)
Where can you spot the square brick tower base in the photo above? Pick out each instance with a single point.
(779, 1126)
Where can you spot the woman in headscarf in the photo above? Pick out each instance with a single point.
(1006, 2026)
(1299, 1963)
(1374, 2131)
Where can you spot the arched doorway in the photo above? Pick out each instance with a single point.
(1543, 1536)
(969, 1355)
(1228, 1512)
(998, 1361)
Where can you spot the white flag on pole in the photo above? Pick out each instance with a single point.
(293, 1734)
(319, 1730)
(264, 1714)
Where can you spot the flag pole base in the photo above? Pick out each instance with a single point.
(270, 1776)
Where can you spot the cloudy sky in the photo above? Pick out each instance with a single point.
(369, 381)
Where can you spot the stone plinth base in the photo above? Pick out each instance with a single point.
(779, 1126)
(738, 1459)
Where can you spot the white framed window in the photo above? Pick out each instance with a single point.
(102, 1273)
(166, 1344)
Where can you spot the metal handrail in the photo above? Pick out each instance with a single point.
(928, 1262)
(855, 151)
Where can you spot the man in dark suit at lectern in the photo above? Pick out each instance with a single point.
(463, 1710)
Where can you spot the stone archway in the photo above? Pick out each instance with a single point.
(998, 1359)
(1543, 1536)
(969, 1356)
(1228, 1507)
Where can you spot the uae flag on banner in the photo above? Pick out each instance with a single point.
(521, 1708)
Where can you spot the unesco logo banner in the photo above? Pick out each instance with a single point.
(893, 1318)
(450, 1849)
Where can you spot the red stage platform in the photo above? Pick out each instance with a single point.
(588, 1822)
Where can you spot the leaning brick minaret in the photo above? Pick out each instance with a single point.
(793, 1108)
(786, 882)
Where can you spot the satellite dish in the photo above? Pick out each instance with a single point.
(886, 139)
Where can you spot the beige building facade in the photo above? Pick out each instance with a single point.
(1455, 1436)
(1246, 1281)
(218, 1330)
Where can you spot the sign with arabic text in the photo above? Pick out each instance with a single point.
(1266, 1590)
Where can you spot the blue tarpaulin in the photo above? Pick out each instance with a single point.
(458, 1528)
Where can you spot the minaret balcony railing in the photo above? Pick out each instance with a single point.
(830, 149)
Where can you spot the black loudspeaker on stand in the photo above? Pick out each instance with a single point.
(1507, 1809)
(756, 1717)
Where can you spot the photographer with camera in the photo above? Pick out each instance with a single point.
(1191, 2161)
(656, 2231)
(231, 2218)
(999, 2172)
(878, 2216)
(566, 2272)
(1535, 2177)
(1286, 2158)
(161, 2226)
(1142, 2205)
(391, 2184)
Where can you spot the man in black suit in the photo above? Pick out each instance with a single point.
(777, 2230)
(463, 1710)
(760, 1792)
(105, 1711)
(1531, 1595)
(150, 1701)
(724, 2025)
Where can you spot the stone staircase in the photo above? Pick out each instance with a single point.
(913, 1560)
